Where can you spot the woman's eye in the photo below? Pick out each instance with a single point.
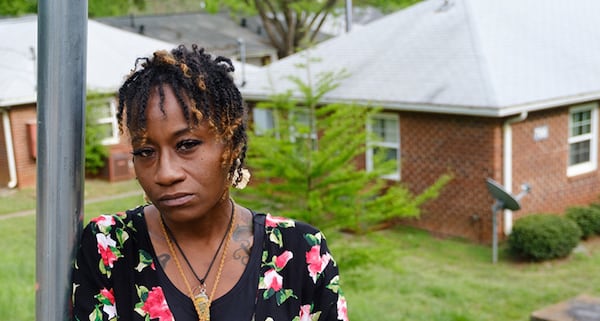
(187, 145)
(143, 152)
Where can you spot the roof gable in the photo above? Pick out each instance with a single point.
(482, 57)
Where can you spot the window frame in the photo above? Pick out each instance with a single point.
(270, 121)
(396, 176)
(592, 164)
(111, 120)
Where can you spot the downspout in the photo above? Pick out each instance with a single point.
(507, 164)
(10, 151)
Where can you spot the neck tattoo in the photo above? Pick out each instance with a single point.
(198, 295)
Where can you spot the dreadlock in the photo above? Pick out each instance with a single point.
(206, 83)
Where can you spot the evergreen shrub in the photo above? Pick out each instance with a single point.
(588, 219)
(543, 237)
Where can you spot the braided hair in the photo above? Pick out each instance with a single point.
(204, 89)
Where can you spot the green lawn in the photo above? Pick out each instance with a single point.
(398, 274)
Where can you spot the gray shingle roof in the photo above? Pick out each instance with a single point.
(111, 54)
(477, 57)
(217, 33)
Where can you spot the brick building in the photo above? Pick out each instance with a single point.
(111, 53)
(507, 90)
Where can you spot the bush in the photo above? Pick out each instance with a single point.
(588, 219)
(95, 152)
(543, 237)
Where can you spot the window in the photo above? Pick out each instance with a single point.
(385, 128)
(104, 115)
(299, 124)
(263, 120)
(302, 128)
(583, 139)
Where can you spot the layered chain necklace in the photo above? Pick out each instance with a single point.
(201, 300)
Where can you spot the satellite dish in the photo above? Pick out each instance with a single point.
(507, 201)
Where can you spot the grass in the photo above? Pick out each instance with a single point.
(12, 201)
(397, 274)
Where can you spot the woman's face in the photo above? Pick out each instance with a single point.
(179, 167)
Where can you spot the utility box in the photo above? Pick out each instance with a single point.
(118, 167)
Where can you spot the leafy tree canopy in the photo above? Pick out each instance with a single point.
(292, 25)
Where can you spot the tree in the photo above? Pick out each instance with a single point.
(317, 180)
(96, 8)
(292, 25)
(17, 7)
(106, 8)
(95, 152)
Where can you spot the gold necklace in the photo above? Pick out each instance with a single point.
(201, 301)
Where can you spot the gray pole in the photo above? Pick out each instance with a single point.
(62, 45)
(242, 46)
(348, 15)
(498, 206)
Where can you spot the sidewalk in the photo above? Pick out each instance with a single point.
(90, 201)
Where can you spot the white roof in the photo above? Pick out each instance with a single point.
(111, 54)
(474, 57)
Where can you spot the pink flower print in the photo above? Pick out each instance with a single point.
(104, 248)
(107, 297)
(305, 313)
(156, 305)
(342, 308)
(104, 222)
(274, 221)
(108, 294)
(316, 262)
(273, 280)
(283, 259)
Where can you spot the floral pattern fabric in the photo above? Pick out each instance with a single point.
(114, 274)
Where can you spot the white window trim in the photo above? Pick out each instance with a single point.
(112, 120)
(592, 164)
(369, 153)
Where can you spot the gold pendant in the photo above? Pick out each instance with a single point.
(203, 304)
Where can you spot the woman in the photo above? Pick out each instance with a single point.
(192, 253)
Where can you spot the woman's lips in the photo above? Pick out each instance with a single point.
(177, 200)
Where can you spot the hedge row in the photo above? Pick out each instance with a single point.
(587, 218)
(543, 237)
(547, 236)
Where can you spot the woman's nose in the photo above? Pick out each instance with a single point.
(168, 170)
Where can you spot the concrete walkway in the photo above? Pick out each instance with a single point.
(90, 201)
(580, 308)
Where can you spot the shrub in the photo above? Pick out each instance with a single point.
(543, 237)
(588, 219)
(95, 152)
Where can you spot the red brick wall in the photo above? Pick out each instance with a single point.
(471, 149)
(543, 165)
(25, 163)
(466, 147)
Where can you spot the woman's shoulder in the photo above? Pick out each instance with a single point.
(129, 220)
(288, 224)
(287, 232)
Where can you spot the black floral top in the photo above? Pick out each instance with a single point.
(115, 276)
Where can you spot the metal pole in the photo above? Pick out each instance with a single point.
(348, 15)
(62, 42)
(495, 208)
(242, 46)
